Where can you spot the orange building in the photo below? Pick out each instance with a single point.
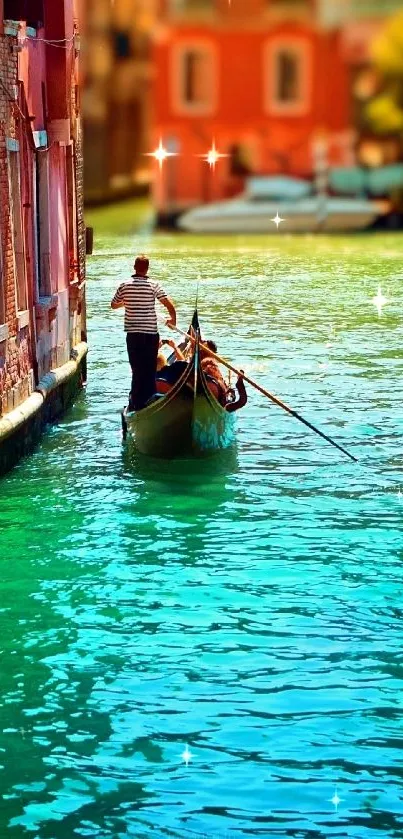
(262, 81)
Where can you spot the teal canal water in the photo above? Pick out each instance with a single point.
(246, 610)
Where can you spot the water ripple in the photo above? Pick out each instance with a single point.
(247, 608)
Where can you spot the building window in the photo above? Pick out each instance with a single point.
(287, 77)
(195, 79)
(122, 45)
(43, 224)
(18, 237)
(194, 89)
(29, 10)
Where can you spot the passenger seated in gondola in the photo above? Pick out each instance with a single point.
(162, 361)
(211, 370)
(168, 374)
(216, 383)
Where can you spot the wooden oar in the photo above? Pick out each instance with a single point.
(267, 393)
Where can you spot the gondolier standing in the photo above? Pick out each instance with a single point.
(138, 296)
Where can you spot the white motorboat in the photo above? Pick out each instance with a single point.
(291, 199)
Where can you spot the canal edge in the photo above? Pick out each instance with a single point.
(21, 428)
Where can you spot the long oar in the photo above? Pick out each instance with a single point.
(268, 394)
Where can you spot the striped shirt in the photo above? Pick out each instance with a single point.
(139, 295)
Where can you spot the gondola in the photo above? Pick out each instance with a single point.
(186, 421)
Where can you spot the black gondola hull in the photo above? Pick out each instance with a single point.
(187, 421)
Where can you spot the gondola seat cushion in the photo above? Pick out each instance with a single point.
(172, 372)
(162, 386)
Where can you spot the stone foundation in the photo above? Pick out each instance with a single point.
(21, 429)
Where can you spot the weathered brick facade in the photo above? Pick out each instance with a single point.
(42, 232)
(16, 360)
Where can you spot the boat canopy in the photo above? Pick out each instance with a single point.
(280, 187)
(384, 180)
(348, 181)
(356, 180)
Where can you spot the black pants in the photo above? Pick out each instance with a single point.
(142, 350)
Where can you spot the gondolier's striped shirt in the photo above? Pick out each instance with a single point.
(139, 295)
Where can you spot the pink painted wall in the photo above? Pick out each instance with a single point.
(53, 318)
(33, 55)
(58, 218)
(59, 25)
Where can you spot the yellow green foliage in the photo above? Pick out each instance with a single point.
(385, 112)
(384, 115)
(387, 49)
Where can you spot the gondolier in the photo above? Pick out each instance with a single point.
(138, 296)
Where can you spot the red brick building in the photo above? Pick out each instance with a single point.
(262, 80)
(42, 234)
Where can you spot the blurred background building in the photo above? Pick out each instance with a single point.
(276, 86)
(116, 95)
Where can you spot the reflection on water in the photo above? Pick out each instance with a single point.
(182, 474)
(246, 606)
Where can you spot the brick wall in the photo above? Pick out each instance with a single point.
(16, 356)
(29, 347)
